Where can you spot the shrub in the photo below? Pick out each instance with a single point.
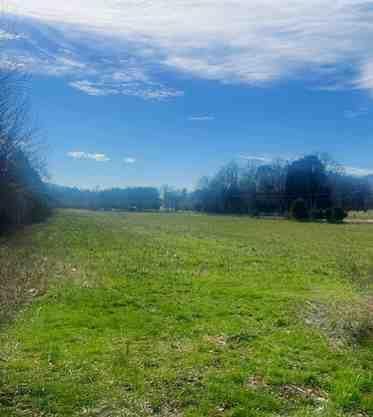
(40, 210)
(329, 215)
(335, 215)
(317, 214)
(339, 214)
(299, 210)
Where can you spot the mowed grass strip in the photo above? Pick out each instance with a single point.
(191, 315)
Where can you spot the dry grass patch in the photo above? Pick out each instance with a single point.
(343, 322)
(22, 278)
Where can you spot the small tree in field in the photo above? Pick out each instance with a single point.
(299, 210)
(336, 215)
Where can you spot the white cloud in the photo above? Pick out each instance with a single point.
(8, 36)
(353, 114)
(254, 158)
(365, 80)
(252, 42)
(77, 155)
(40, 62)
(92, 89)
(109, 88)
(131, 74)
(201, 118)
(98, 157)
(89, 63)
(358, 172)
(129, 160)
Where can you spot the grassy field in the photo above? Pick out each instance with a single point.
(136, 315)
(361, 215)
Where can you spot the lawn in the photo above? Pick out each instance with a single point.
(182, 315)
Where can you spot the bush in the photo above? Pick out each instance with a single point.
(299, 210)
(335, 215)
(317, 214)
(40, 211)
(339, 214)
(329, 215)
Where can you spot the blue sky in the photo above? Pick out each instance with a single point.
(152, 92)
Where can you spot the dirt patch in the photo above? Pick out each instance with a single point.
(130, 408)
(20, 282)
(342, 322)
(220, 341)
(256, 382)
(290, 391)
(25, 276)
(231, 340)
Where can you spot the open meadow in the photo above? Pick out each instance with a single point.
(184, 315)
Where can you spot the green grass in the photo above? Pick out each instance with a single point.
(189, 315)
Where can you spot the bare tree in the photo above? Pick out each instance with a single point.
(21, 187)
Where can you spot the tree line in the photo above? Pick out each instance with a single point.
(313, 186)
(127, 199)
(23, 197)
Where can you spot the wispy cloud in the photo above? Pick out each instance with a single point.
(9, 36)
(255, 158)
(91, 89)
(353, 114)
(87, 63)
(253, 42)
(201, 118)
(98, 157)
(129, 160)
(107, 86)
(365, 79)
(358, 172)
